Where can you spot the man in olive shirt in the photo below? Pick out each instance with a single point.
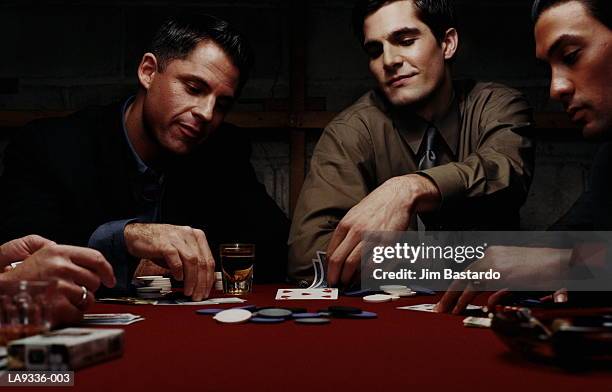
(418, 148)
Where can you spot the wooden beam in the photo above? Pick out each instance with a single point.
(298, 14)
(272, 119)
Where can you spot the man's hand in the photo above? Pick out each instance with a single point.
(182, 249)
(387, 208)
(147, 267)
(73, 268)
(19, 249)
(516, 265)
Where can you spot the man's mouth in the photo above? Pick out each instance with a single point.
(576, 113)
(190, 131)
(399, 80)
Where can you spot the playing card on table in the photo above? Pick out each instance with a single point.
(111, 319)
(477, 322)
(322, 293)
(210, 301)
(430, 307)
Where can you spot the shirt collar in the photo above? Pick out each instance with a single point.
(413, 127)
(140, 165)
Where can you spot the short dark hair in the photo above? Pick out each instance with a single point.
(438, 15)
(599, 9)
(180, 34)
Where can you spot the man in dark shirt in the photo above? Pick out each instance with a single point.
(575, 38)
(156, 177)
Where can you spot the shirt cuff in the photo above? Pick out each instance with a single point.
(109, 239)
(448, 181)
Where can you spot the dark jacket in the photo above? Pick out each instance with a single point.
(64, 177)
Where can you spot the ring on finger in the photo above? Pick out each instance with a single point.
(83, 297)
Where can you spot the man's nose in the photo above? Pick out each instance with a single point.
(392, 59)
(561, 87)
(205, 108)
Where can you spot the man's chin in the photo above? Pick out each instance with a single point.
(401, 98)
(180, 148)
(596, 131)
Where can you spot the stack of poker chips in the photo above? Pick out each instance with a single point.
(152, 287)
(218, 281)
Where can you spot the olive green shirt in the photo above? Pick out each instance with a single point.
(483, 181)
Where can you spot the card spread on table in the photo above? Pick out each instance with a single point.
(322, 293)
(111, 318)
(210, 301)
(430, 307)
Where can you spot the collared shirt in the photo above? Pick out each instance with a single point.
(147, 189)
(482, 184)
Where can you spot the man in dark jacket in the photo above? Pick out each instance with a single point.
(158, 176)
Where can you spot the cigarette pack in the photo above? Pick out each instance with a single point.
(65, 349)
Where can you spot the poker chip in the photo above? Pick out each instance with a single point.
(247, 307)
(148, 289)
(362, 315)
(233, 316)
(296, 310)
(377, 298)
(266, 320)
(274, 313)
(305, 315)
(152, 287)
(401, 293)
(393, 287)
(315, 321)
(343, 309)
(208, 311)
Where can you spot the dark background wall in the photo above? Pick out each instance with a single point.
(65, 55)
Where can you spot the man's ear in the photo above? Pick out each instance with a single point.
(147, 70)
(450, 43)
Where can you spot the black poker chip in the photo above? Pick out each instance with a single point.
(342, 310)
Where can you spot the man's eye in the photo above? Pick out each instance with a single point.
(373, 51)
(407, 42)
(571, 57)
(192, 89)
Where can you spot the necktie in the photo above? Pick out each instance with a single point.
(429, 156)
(429, 151)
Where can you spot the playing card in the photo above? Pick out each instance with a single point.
(316, 266)
(477, 322)
(430, 307)
(211, 301)
(111, 319)
(321, 293)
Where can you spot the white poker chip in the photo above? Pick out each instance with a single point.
(379, 298)
(149, 278)
(233, 316)
(393, 287)
(401, 293)
(148, 289)
(218, 275)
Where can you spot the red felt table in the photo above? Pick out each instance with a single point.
(176, 348)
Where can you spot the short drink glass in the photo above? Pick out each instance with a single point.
(237, 262)
(25, 308)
